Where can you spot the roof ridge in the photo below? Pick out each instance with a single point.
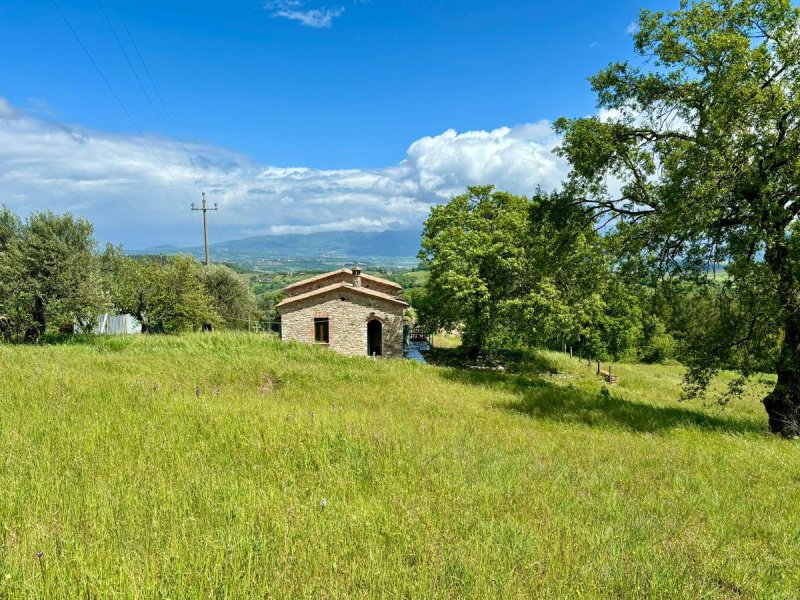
(314, 278)
(340, 285)
(343, 270)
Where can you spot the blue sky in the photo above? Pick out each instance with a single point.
(319, 114)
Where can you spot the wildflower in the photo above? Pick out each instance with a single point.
(324, 503)
(39, 555)
(197, 391)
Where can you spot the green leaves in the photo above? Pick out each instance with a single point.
(698, 162)
(513, 271)
(165, 295)
(51, 278)
(475, 247)
(48, 274)
(232, 298)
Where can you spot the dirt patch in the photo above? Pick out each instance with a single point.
(268, 384)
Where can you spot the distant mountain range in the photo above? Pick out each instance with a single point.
(334, 248)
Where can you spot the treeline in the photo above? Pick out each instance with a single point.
(515, 272)
(53, 279)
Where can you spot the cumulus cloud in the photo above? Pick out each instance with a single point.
(138, 192)
(295, 10)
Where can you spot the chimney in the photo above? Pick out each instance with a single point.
(356, 276)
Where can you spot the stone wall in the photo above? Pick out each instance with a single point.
(348, 313)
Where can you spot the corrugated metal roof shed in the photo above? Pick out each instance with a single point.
(109, 324)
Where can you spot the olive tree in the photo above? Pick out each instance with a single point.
(231, 296)
(48, 274)
(166, 295)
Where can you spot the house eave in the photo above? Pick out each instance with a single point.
(346, 287)
(299, 284)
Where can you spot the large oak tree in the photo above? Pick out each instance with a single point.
(696, 157)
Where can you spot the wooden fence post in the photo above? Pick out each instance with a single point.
(570, 352)
(598, 366)
(610, 378)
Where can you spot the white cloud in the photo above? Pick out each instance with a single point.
(319, 18)
(139, 193)
(7, 111)
(310, 17)
(632, 28)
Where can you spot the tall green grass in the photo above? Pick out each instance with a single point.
(196, 466)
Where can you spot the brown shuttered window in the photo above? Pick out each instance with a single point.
(321, 335)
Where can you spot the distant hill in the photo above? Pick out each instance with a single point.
(309, 250)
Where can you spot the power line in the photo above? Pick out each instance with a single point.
(136, 75)
(116, 96)
(153, 84)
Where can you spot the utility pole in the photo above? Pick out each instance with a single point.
(205, 209)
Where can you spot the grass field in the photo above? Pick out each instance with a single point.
(197, 466)
(419, 278)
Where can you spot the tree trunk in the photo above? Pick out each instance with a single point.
(140, 315)
(37, 328)
(474, 351)
(474, 335)
(783, 403)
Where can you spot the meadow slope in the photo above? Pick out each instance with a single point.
(196, 466)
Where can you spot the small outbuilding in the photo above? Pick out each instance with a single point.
(113, 324)
(352, 313)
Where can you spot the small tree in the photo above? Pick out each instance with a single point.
(52, 273)
(180, 301)
(232, 298)
(132, 283)
(165, 295)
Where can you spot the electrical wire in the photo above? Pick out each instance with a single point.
(117, 97)
(139, 79)
(153, 84)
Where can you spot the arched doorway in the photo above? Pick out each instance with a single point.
(374, 338)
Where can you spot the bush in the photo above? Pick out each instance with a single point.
(659, 346)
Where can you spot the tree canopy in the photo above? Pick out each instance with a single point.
(695, 160)
(166, 295)
(474, 244)
(47, 273)
(231, 297)
(514, 271)
(53, 280)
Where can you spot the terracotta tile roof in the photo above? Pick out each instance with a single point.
(342, 286)
(303, 282)
(380, 280)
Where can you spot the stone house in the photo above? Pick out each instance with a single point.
(351, 313)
